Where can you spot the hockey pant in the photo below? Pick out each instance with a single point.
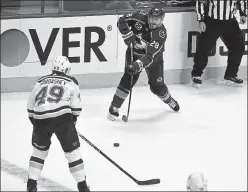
(155, 75)
(68, 138)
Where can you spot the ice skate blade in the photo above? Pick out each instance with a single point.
(196, 85)
(231, 83)
(111, 117)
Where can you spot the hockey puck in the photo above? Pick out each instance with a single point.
(116, 144)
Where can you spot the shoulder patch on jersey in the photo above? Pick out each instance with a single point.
(161, 34)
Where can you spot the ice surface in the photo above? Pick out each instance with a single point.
(208, 135)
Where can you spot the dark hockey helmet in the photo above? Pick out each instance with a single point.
(156, 12)
(155, 17)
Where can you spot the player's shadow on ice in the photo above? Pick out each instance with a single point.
(21, 173)
(158, 117)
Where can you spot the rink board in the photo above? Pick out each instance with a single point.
(96, 50)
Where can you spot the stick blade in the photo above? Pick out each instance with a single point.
(149, 182)
(124, 118)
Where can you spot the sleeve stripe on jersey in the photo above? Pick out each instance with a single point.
(30, 113)
(129, 34)
(76, 109)
(76, 113)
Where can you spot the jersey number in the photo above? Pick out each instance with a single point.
(55, 94)
(138, 26)
(154, 44)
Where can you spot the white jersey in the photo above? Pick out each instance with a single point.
(53, 96)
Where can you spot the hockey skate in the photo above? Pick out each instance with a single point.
(113, 113)
(31, 185)
(196, 81)
(174, 104)
(82, 187)
(233, 81)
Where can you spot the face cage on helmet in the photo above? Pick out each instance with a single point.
(65, 71)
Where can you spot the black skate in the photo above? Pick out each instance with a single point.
(82, 186)
(196, 81)
(113, 113)
(174, 104)
(31, 185)
(233, 81)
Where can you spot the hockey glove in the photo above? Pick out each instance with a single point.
(135, 67)
(243, 20)
(130, 39)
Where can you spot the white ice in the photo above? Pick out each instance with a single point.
(208, 135)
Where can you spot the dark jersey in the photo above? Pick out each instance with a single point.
(151, 39)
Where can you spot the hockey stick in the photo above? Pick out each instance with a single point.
(146, 182)
(125, 117)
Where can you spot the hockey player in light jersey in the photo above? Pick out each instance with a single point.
(147, 34)
(53, 107)
(197, 182)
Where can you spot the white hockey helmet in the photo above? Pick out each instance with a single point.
(197, 182)
(61, 64)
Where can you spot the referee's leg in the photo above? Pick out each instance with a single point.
(234, 40)
(205, 43)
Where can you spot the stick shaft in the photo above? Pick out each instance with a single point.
(103, 154)
(131, 83)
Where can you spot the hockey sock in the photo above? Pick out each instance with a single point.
(120, 96)
(36, 163)
(166, 97)
(76, 165)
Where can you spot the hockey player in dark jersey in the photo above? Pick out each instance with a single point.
(53, 107)
(147, 35)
